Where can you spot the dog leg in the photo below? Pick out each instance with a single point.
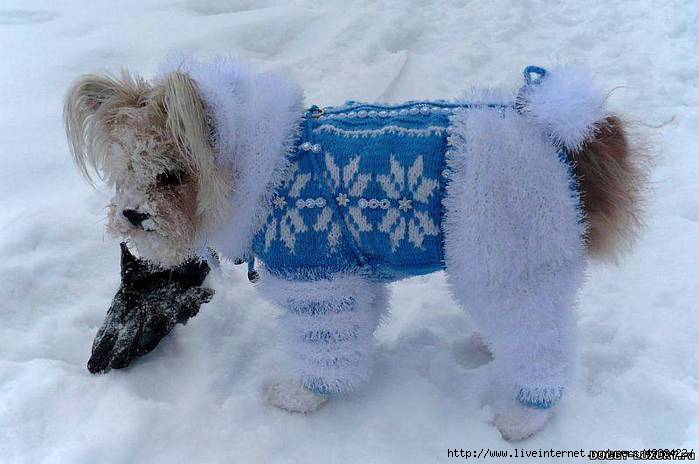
(329, 327)
(531, 333)
(515, 257)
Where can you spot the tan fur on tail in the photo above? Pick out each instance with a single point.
(612, 176)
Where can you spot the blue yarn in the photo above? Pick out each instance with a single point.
(344, 227)
(326, 218)
(379, 218)
(385, 218)
(537, 72)
(540, 398)
(318, 386)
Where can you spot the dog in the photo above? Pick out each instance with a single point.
(508, 193)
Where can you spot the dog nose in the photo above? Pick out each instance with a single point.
(135, 217)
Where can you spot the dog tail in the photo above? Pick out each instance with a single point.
(611, 165)
(612, 171)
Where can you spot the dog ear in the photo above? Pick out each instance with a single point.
(186, 120)
(83, 100)
(86, 114)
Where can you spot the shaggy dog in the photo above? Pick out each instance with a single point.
(509, 194)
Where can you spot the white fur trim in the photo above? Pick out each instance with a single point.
(329, 327)
(567, 104)
(486, 96)
(513, 243)
(255, 121)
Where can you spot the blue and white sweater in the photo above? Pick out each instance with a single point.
(363, 191)
(478, 187)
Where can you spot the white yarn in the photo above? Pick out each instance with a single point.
(513, 243)
(329, 325)
(567, 104)
(255, 118)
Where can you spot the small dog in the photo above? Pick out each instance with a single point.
(509, 194)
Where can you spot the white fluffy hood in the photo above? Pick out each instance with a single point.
(255, 118)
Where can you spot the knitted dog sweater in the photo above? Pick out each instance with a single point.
(363, 190)
(476, 187)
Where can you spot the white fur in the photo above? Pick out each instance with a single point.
(255, 119)
(347, 306)
(513, 231)
(567, 104)
(486, 96)
(513, 244)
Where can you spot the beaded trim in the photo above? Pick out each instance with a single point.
(413, 111)
(308, 146)
(398, 130)
(374, 203)
(404, 204)
(310, 203)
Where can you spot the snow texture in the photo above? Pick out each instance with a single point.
(198, 397)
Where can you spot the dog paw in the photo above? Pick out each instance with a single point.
(290, 395)
(518, 422)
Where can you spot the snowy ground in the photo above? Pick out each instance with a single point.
(196, 399)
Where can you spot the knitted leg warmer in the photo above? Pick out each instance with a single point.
(329, 327)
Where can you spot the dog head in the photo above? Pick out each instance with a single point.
(150, 142)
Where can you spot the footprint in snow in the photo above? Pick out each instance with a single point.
(472, 352)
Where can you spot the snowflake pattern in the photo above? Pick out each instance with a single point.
(352, 184)
(369, 194)
(406, 190)
(409, 189)
(285, 223)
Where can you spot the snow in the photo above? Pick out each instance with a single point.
(197, 397)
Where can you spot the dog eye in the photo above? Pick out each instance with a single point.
(171, 178)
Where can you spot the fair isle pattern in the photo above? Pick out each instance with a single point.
(412, 190)
(285, 223)
(349, 183)
(361, 192)
(406, 190)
